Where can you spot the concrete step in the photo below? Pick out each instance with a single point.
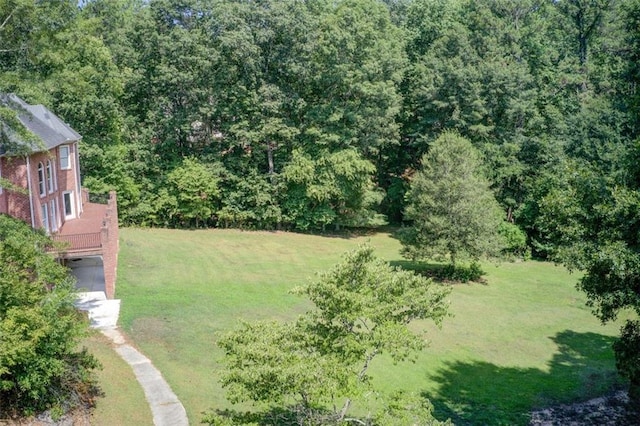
(103, 313)
(89, 296)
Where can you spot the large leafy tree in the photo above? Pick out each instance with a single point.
(592, 221)
(262, 62)
(354, 97)
(335, 188)
(453, 211)
(263, 50)
(472, 70)
(358, 60)
(315, 367)
(40, 364)
(587, 18)
(305, 83)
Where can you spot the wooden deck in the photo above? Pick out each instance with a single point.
(83, 235)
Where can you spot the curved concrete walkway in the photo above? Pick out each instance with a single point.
(166, 409)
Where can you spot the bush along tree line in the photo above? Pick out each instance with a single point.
(322, 113)
(41, 365)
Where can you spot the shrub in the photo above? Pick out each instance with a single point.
(40, 365)
(462, 274)
(515, 241)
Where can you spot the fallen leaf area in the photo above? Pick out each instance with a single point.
(612, 409)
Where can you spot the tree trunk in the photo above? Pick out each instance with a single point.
(634, 392)
(582, 52)
(270, 158)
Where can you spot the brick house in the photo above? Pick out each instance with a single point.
(42, 187)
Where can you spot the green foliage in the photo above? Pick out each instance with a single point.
(408, 409)
(270, 362)
(250, 201)
(115, 168)
(40, 366)
(357, 63)
(309, 366)
(334, 189)
(265, 87)
(627, 349)
(515, 240)
(454, 213)
(446, 273)
(459, 273)
(593, 222)
(195, 188)
(15, 139)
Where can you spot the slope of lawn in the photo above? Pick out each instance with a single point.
(523, 340)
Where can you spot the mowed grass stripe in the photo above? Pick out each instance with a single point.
(523, 340)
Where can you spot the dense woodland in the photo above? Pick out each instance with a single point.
(306, 114)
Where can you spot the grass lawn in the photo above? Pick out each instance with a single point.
(123, 402)
(522, 341)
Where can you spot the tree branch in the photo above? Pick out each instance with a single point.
(354, 420)
(365, 367)
(343, 411)
(364, 323)
(6, 20)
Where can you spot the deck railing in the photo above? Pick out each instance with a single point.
(80, 241)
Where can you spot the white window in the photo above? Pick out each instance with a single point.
(65, 159)
(45, 218)
(41, 187)
(49, 177)
(67, 201)
(54, 216)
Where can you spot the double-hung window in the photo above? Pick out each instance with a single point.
(49, 177)
(54, 215)
(41, 187)
(65, 159)
(45, 218)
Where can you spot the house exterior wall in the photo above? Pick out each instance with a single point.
(24, 173)
(16, 204)
(69, 179)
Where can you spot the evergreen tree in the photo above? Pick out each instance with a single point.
(453, 211)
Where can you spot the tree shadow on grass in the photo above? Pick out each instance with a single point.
(441, 272)
(416, 266)
(346, 233)
(481, 393)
